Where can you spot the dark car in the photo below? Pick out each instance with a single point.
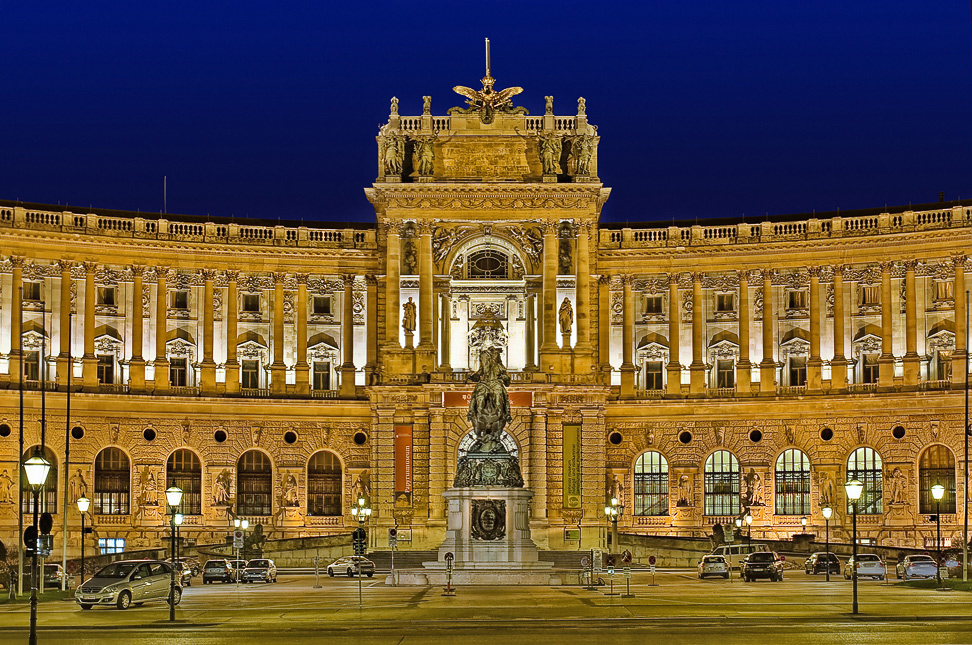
(819, 563)
(765, 564)
(218, 570)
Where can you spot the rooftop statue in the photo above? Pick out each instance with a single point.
(487, 101)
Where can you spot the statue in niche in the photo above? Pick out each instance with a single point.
(394, 154)
(221, 488)
(6, 488)
(424, 155)
(566, 317)
(582, 151)
(754, 489)
(825, 486)
(617, 490)
(426, 105)
(289, 496)
(408, 316)
(149, 486)
(360, 488)
(550, 147)
(684, 490)
(897, 485)
(564, 259)
(410, 258)
(77, 487)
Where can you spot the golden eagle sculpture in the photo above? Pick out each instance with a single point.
(487, 101)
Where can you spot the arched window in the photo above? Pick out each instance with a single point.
(936, 466)
(184, 470)
(254, 484)
(324, 484)
(48, 494)
(792, 483)
(112, 482)
(722, 484)
(651, 484)
(488, 263)
(864, 465)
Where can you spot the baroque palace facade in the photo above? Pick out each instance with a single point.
(278, 372)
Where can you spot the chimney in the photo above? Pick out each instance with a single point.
(941, 196)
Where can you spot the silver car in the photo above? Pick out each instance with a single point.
(916, 566)
(351, 564)
(261, 570)
(713, 565)
(868, 565)
(128, 582)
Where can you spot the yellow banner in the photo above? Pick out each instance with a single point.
(572, 465)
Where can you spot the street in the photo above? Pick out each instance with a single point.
(682, 608)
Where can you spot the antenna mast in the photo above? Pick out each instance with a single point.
(487, 57)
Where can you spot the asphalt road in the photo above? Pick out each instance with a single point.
(680, 609)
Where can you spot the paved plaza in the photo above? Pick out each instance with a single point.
(681, 609)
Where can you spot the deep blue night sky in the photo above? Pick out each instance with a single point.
(705, 108)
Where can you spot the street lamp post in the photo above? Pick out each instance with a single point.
(938, 491)
(827, 512)
(173, 495)
(749, 529)
(613, 512)
(36, 469)
(176, 561)
(361, 512)
(738, 528)
(83, 504)
(854, 489)
(243, 525)
(803, 523)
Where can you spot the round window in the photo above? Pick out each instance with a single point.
(685, 436)
(898, 432)
(77, 432)
(219, 436)
(360, 438)
(290, 436)
(4, 430)
(148, 434)
(755, 436)
(826, 434)
(615, 438)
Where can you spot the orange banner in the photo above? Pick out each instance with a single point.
(403, 459)
(461, 399)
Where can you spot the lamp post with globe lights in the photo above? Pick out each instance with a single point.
(83, 504)
(854, 489)
(613, 513)
(173, 496)
(938, 492)
(36, 468)
(749, 529)
(243, 525)
(360, 512)
(826, 511)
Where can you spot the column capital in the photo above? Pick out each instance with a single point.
(90, 268)
(698, 276)
(548, 226)
(371, 279)
(766, 274)
(347, 279)
(673, 278)
(208, 274)
(886, 266)
(392, 227)
(64, 266)
(958, 260)
(424, 227)
(911, 264)
(232, 275)
(278, 277)
(161, 273)
(627, 279)
(839, 270)
(815, 271)
(16, 261)
(743, 275)
(137, 270)
(604, 279)
(301, 278)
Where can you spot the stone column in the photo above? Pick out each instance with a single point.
(301, 367)
(161, 361)
(232, 366)
(886, 360)
(136, 364)
(426, 321)
(838, 365)
(549, 319)
(347, 344)
(393, 307)
(63, 358)
(89, 361)
(16, 340)
(744, 368)
(627, 364)
(531, 332)
(814, 363)
(445, 335)
(583, 295)
(278, 369)
(673, 387)
(604, 326)
(207, 368)
(912, 362)
(767, 366)
(959, 355)
(371, 366)
(697, 368)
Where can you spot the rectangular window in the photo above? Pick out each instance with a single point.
(32, 366)
(653, 304)
(106, 296)
(322, 305)
(870, 295)
(106, 369)
(180, 299)
(111, 545)
(32, 291)
(870, 372)
(944, 365)
(943, 290)
(725, 302)
(653, 375)
(178, 372)
(798, 371)
(322, 375)
(250, 374)
(725, 374)
(251, 303)
(797, 299)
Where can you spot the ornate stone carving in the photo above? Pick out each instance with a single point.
(549, 146)
(488, 517)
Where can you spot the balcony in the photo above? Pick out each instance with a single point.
(255, 392)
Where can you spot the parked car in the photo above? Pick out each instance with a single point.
(218, 570)
(735, 553)
(762, 564)
(713, 565)
(183, 571)
(868, 565)
(238, 566)
(351, 564)
(262, 570)
(916, 566)
(128, 582)
(819, 563)
(53, 576)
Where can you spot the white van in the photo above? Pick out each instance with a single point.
(736, 553)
